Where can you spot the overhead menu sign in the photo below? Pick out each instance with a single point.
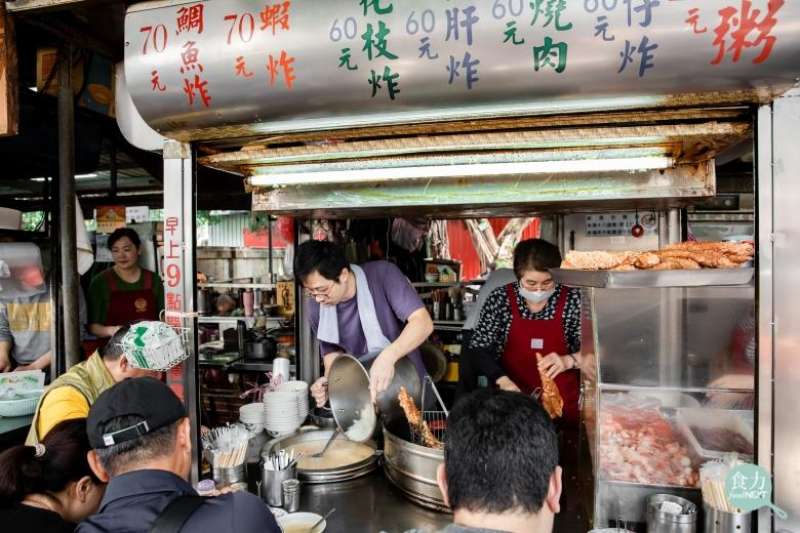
(305, 64)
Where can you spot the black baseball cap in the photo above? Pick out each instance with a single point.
(146, 398)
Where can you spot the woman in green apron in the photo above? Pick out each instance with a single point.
(125, 293)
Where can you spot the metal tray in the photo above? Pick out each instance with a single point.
(643, 279)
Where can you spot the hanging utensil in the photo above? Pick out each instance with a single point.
(637, 230)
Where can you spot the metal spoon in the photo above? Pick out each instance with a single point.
(321, 520)
(335, 433)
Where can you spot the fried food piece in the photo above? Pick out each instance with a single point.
(707, 259)
(416, 421)
(727, 248)
(646, 260)
(596, 260)
(624, 268)
(551, 398)
(677, 263)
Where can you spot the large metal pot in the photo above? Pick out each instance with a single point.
(412, 468)
(331, 475)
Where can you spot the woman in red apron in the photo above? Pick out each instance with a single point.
(125, 293)
(532, 325)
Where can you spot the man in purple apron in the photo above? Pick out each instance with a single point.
(371, 312)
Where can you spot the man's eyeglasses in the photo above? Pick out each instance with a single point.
(318, 291)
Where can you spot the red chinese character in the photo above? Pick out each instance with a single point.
(171, 225)
(190, 18)
(284, 63)
(170, 253)
(156, 81)
(274, 16)
(694, 20)
(745, 21)
(200, 86)
(241, 68)
(190, 57)
(174, 302)
(173, 272)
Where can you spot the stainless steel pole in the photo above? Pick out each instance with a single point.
(66, 211)
(180, 277)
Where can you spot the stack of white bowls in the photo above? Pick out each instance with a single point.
(300, 389)
(252, 415)
(286, 408)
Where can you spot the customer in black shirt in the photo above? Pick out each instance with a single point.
(142, 443)
(49, 487)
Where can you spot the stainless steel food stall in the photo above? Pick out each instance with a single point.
(662, 345)
(586, 108)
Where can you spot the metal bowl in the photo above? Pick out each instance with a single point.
(348, 389)
(351, 403)
(331, 475)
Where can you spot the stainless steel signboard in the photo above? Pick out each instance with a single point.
(272, 66)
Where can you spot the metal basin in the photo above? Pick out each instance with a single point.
(330, 475)
(412, 468)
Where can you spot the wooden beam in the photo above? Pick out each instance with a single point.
(9, 88)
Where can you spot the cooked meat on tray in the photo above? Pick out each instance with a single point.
(681, 256)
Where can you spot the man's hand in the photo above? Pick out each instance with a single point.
(5, 361)
(381, 374)
(505, 383)
(319, 391)
(554, 364)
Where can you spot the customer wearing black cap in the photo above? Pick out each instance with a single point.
(500, 470)
(142, 446)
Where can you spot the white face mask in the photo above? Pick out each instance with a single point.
(535, 297)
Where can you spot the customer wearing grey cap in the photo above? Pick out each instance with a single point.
(500, 470)
(142, 446)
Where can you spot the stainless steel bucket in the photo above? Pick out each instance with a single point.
(721, 522)
(659, 521)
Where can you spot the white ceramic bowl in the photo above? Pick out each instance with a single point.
(301, 523)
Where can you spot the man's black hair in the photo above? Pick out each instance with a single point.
(124, 232)
(535, 254)
(323, 257)
(127, 456)
(113, 347)
(500, 452)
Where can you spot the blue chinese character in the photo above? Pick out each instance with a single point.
(453, 23)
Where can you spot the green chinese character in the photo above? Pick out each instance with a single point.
(391, 80)
(344, 60)
(377, 41)
(551, 10)
(544, 55)
(511, 34)
(376, 6)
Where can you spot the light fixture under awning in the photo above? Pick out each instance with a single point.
(278, 177)
(653, 160)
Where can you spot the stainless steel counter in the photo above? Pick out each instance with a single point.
(369, 505)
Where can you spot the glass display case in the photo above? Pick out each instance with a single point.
(668, 384)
